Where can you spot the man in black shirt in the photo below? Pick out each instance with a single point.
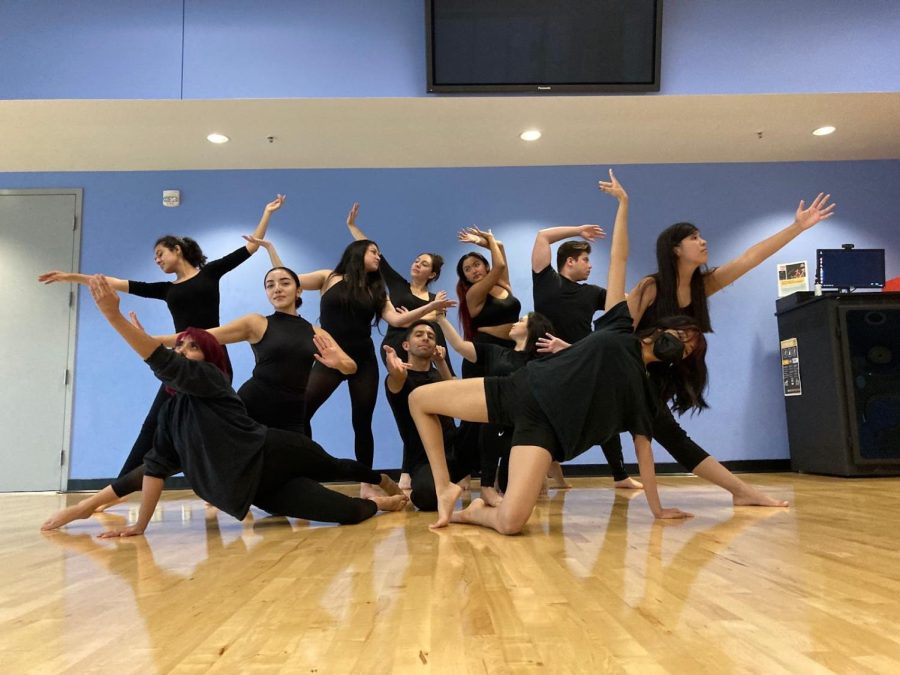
(427, 363)
(570, 305)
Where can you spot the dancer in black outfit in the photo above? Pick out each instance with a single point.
(571, 304)
(561, 405)
(406, 294)
(230, 460)
(497, 361)
(192, 299)
(426, 363)
(681, 286)
(487, 310)
(353, 299)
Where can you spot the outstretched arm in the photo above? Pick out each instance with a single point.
(107, 302)
(396, 370)
(84, 279)
(151, 489)
(648, 477)
(477, 294)
(540, 253)
(804, 219)
(263, 225)
(351, 223)
(404, 319)
(462, 347)
(618, 250)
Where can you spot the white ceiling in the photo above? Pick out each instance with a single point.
(444, 131)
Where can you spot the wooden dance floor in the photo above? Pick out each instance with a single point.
(593, 586)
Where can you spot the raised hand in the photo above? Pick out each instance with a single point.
(441, 302)
(275, 204)
(393, 362)
(133, 318)
(328, 352)
(819, 210)
(106, 299)
(550, 344)
(440, 355)
(264, 243)
(591, 232)
(613, 187)
(351, 217)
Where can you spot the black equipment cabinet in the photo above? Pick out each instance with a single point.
(846, 422)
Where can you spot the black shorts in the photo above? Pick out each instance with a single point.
(510, 403)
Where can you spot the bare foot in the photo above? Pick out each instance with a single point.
(67, 515)
(390, 503)
(467, 515)
(446, 501)
(491, 496)
(629, 483)
(405, 481)
(465, 483)
(103, 507)
(748, 495)
(369, 491)
(389, 486)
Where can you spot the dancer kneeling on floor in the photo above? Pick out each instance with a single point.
(230, 460)
(562, 405)
(427, 363)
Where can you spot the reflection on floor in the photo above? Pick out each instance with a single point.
(594, 585)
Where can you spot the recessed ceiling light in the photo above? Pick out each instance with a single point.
(823, 131)
(217, 138)
(530, 135)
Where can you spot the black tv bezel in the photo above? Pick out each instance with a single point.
(537, 87)
(830, 286)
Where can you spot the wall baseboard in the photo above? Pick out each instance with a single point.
(573, 470)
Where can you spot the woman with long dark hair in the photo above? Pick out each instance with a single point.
(561, 405)
(405, 294)
(353, 300)
(192, 299)
(230, 460)
(680, 287)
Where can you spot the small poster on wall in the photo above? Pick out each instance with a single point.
(792, 277)
(790, 367)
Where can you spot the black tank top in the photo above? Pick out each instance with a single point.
(348, 320)
(284, 356)
(497, 312)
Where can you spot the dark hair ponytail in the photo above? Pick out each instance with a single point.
(538, 326)
(293, 275)
(437, 263)
(190, 249)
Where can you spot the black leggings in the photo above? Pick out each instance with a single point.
(363, 385)
(669, 434)
(289, 483)
(423, 495)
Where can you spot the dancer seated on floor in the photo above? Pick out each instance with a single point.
(562, 405)
(230, 460)
(426, 363)
(497, 361)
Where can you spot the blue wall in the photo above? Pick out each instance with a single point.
(169, 49)
(347, 48)
(408, 211)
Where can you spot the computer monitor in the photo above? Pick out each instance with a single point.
(850, 268)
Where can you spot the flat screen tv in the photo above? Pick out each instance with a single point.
(846, 268)
(543, 46)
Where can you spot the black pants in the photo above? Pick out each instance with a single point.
(289, 484)
(363, 385)
(423, 495)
